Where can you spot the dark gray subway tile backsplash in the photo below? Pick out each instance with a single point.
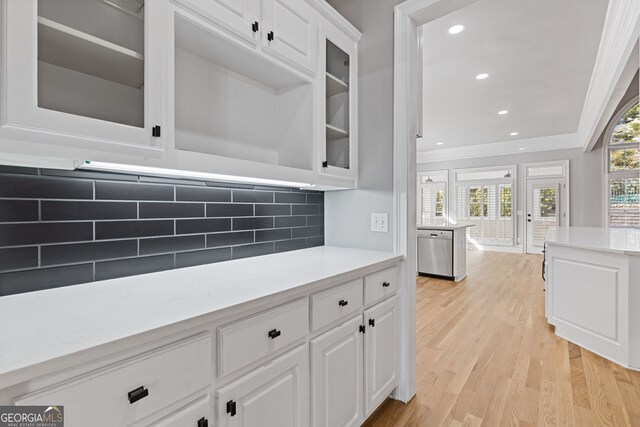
(60, 228)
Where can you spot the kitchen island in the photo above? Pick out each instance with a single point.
(593, 290)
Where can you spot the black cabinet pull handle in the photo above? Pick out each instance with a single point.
(137, 394)
(203, 422)
(231, 408)
(342, 303)
(155, 131)
(274, 333)
(254, 27)
(270, 36)
(386, 284)
(372, 322)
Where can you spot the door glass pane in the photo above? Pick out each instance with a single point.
(91, 59)
(545, 213)
(624, 202)
(337, 107)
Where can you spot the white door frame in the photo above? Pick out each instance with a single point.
(561, 183)
(408, 17)
(565, 194)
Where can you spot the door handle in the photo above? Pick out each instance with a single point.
(343, 303)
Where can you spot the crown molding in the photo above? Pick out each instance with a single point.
(530, 145)
(333, 16)
(619, 37)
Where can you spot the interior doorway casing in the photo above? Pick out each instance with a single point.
(407, 99)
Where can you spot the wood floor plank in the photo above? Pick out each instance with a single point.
(487, 357)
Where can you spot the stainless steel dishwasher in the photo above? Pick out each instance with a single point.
(435, 252)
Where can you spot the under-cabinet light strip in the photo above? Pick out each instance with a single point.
(174, 173)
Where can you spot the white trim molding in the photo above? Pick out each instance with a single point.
(408, 17)
(617, 45)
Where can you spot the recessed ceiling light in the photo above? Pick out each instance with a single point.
(456, 29)
(439, 143)
(503, 112)
(482, 76)
(513, 133)
(521, 148)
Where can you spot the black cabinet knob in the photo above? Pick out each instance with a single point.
(372, 322)
(274, 333)
(270, 36)
(203, 422)
(386, 284)
(254, 27)
(342, 303)
(137, 394)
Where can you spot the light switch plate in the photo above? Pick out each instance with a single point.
(380, 222)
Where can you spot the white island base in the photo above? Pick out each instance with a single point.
(593, 290)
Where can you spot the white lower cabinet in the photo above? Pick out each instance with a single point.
(274, 370)
(131, 390)
(381, 344)
(337, 376)
(274, 395)
(197, 414)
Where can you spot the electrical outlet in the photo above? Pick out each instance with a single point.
(380, 222)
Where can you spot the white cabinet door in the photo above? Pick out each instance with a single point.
(196, 414)
(241, 17)
(274, 395)
(381, 352)
(336, 376)
(290, 33)
(85, 74)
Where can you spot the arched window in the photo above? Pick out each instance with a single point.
(623, 164)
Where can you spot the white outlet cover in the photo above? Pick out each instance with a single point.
(380, 222)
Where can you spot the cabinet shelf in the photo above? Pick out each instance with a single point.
(334, 132)
(72, 49)
(335, 85)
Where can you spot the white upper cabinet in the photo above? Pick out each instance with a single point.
(290, 33)
(241, 17)
(339, 135)
(84, 72)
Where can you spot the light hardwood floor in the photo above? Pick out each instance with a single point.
(487, 357)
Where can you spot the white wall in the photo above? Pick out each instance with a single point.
(348, 213)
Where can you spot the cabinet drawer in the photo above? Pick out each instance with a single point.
(335, 303)
(104, 398)
(381, 284)
(190, 416)
(251, 339)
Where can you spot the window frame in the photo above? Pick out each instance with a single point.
(607, 149)
(445, 194)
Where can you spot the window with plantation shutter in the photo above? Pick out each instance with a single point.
(487, 205)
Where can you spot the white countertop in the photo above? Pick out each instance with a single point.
(617, 240)
(39, 327)
(444, 227)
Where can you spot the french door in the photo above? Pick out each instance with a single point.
(544, 210)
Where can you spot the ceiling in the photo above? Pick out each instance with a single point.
(539, 56)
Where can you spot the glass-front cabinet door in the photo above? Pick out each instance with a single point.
(91, 71)
(339, 141)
